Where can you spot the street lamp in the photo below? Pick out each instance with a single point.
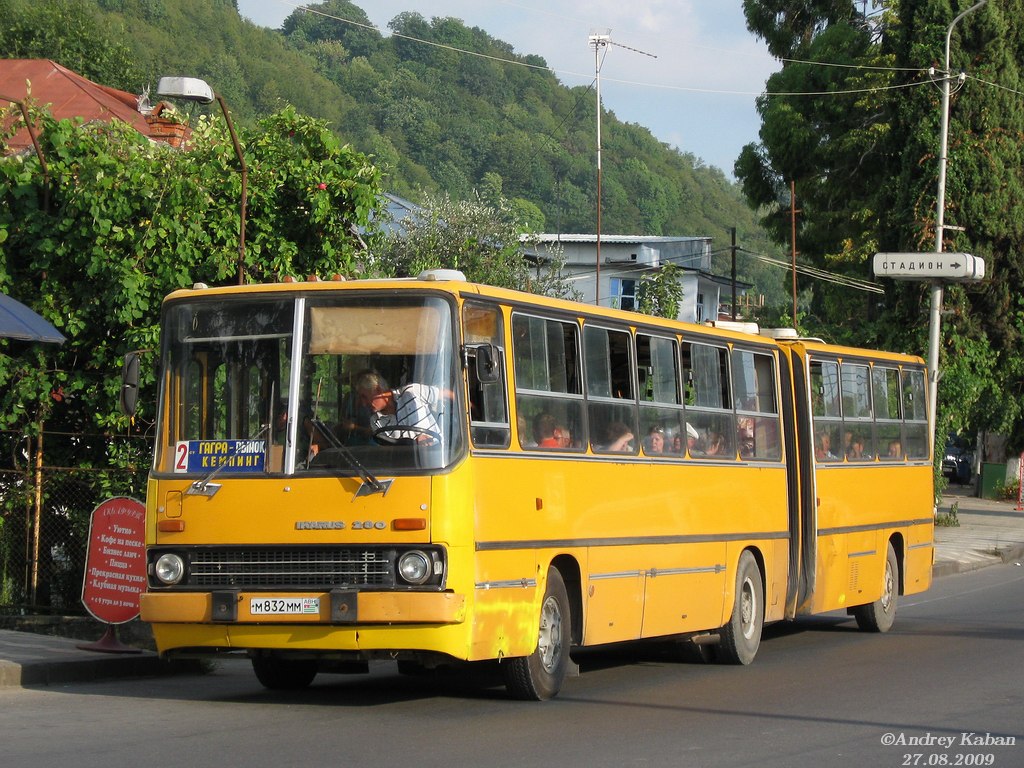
(940, 212)
(194, 89)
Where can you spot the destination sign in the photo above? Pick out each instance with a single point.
(929, 266)
(230, 455)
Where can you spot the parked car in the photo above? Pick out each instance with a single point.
(958, 460)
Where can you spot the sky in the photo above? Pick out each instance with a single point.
(687, 70)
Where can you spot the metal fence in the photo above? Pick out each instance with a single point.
(45, 512)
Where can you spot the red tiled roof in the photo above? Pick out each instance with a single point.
(69, 95)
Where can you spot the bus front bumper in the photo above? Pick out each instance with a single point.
(337, 607)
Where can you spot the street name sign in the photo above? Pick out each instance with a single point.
(952, 267)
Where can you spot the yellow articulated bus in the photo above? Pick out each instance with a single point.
(432, 471)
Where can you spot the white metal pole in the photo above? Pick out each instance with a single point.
(599, 42)
(935, 315)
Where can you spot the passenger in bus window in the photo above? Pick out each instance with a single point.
(847, 442)
(655, 441)
(692, 436)
(563, 436)
(403, 415)
(745, 435)
(856, 452)
(524, 439)
(677, 445)
(716, 445)
(823, 447)
(544, 431)
(895, 449)
(619, 438)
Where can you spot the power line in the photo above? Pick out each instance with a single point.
(819, 274)
(587, 76)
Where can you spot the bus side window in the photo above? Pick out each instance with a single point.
(826, 411)
(612, 408)
(710, 419)
(549, 397)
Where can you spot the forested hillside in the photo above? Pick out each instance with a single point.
(435, 119)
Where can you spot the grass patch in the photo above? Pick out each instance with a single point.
(949, 519)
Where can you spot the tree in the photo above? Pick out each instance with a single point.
(865, 166)
(661, 293)
(69, 32)
(484, 240)
(129, 221)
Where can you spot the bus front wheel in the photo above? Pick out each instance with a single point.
(279, 674)
(880, 615)
(741, 636)
(540, 675)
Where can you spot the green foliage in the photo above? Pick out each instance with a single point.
(865, 165)
(437, 121)
(484, 240)
(660, 293)
(71, 33)
(129, 220)
(949, 519)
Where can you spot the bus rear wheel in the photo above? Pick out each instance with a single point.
(540, 675)
(880, 615)
(279, 674)
(741, 636)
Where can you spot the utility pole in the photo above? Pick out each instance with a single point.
(733, 249)
(600, 43)
(793, 211)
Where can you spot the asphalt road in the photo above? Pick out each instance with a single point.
(820, 693)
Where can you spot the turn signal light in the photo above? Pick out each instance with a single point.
(170, 526)
(409, 524)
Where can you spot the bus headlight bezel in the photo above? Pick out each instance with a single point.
(415, 567)
(169, 569)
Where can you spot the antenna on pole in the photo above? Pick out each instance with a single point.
(600, 42)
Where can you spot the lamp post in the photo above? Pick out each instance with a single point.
(940, 212)
(199, 91)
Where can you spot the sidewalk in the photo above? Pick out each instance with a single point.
(990, 532)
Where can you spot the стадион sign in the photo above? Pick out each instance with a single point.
(115, 569)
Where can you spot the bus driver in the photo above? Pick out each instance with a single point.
(406, 414)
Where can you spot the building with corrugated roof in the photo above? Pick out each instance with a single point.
(625, 259)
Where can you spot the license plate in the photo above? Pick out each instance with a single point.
(284, 606)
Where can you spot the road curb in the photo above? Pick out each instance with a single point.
(13, 674)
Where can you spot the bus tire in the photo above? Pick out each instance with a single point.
(880, 615)
(741, 636)
(279, 674)
(540, 675)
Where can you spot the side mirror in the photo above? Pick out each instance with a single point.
(129, 397)
(487, 371)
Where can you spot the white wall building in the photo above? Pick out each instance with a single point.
(625, 258)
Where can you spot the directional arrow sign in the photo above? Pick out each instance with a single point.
(929, 266)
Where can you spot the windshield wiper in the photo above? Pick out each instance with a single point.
(343, 450)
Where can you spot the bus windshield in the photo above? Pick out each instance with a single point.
(310, 385)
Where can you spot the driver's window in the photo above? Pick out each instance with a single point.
(488, 404)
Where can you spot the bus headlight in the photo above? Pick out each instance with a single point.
(415, 567)
(169, 568)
